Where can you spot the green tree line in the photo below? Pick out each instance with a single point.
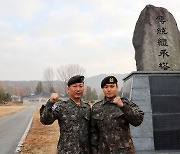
(4, 96)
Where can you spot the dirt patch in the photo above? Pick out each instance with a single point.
(8, 110)
(41, 139)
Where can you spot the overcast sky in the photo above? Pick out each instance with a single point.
(95, 34)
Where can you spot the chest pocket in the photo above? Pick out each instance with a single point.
(110, 118)
(99, 119)
(113, 111)
(119, 121)
(68, 118)
(98, 115)
(116, 115)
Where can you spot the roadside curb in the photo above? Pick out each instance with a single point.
(20, 145)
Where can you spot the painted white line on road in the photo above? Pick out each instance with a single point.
(20, 145)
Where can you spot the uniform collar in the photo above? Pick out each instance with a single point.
(105, 101)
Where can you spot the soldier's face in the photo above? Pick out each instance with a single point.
(110, 90)
(76, 90)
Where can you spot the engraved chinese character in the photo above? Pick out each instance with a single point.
(161, 30)
(163, 53)
(162, 42)
(161, 19)
(164, 66)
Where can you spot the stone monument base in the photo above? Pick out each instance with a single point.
(158, 95)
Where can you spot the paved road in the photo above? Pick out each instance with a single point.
(12, 129)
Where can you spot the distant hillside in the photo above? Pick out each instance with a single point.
(26, 84)
(13, 87)
(94, 82)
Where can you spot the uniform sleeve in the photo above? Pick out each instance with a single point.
(94, 135)
(48, 113)
(132, 112)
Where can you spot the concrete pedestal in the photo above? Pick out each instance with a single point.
(158, 95)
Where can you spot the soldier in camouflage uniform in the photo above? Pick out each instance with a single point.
(111, 117)
(73, 117)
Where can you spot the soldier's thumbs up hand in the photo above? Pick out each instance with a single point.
(117, 100)
(54, 98)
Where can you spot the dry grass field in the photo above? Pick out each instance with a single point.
(11, 109)
(41, 139)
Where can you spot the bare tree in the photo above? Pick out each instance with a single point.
(64, 72)
(49, 77)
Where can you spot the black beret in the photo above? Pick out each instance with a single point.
(75, 79)
(108, 80)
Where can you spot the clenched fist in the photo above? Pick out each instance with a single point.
(54, 98)
(117, 100)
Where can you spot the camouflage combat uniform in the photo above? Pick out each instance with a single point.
(74, 123)
(110, 132)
